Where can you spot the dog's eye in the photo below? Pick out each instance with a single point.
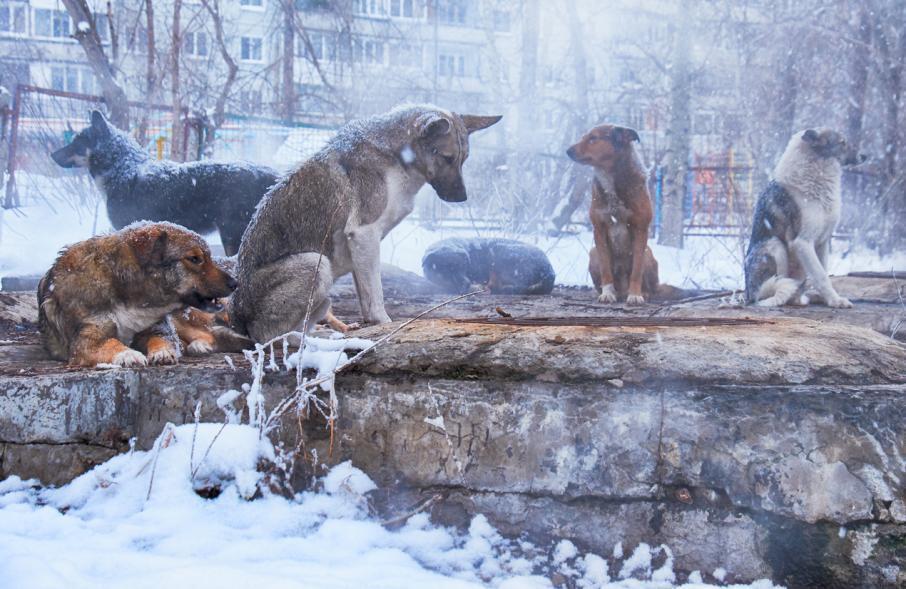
(195, 259)
(592, 139)
(433, 151)
(449, 159)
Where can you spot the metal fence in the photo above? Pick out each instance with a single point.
(41, 120)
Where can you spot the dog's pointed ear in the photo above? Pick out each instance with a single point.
(433, 125)
(150, 247)
(810, 136)
(99, 123)
(477, 122)
(625, 135)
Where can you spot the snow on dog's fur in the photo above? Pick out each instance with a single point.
(794, 221)
(202, 196)
(327, 218)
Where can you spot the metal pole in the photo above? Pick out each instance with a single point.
(12, 197)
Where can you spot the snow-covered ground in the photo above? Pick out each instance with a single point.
(31, 237)
(136, 521)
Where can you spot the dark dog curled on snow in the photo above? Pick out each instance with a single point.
(202, 196)
(506, 266)
(794, 222)
(108, 299)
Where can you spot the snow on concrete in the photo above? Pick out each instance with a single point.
(116, 527)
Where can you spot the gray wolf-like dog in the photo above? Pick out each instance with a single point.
(794, 220)
(202, 196)
(506, 266)
(328, 217)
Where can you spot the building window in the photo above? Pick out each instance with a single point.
(251, 3)
(69, 78)
(501, 20)
(369, 7)
(195, 44)
(368, 51)
(323, 46)
(250, 101)
(310, 99)
(251, 49)
(403, 8)
(451, 65)
(406, 55)
(51, 23)
(102, 24)
(12, 18)
(452, 12)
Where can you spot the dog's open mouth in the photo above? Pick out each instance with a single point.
(208, 304)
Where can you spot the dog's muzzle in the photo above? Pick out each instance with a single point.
(453, 193)
(64, 157)
(855, 159)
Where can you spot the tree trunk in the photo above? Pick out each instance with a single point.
(679, 134)
(211, 126)
(114, 95)
(150, 71)
(522, 171)
(578, 178)
(176, 140)
(288, 102)
(858, 75)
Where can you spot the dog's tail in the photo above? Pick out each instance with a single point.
(50, 320)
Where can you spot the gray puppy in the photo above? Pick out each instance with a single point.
(328, 217)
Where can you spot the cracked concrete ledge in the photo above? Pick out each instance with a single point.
(599, 435)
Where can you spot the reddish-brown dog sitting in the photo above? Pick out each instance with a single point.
(621, 264)
(109, 292)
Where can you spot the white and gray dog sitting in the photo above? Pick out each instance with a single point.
(794, 220)
(328, 217)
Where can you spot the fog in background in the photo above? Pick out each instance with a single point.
(715, 90)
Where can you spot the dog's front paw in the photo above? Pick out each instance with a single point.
(129, 358)
(378, 319)
(635, 299)
(163, 355)
(768, 302)
(199, 347)
(840, 303)
(608, 294)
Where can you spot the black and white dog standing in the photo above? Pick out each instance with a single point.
(794, 220)
(202, 196)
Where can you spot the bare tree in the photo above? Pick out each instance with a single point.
(86, 34)
(219, 115)
(176, 142)
(288, 88)
(679, 132)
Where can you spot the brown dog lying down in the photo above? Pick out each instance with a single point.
(108, 293)
(621, 264)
